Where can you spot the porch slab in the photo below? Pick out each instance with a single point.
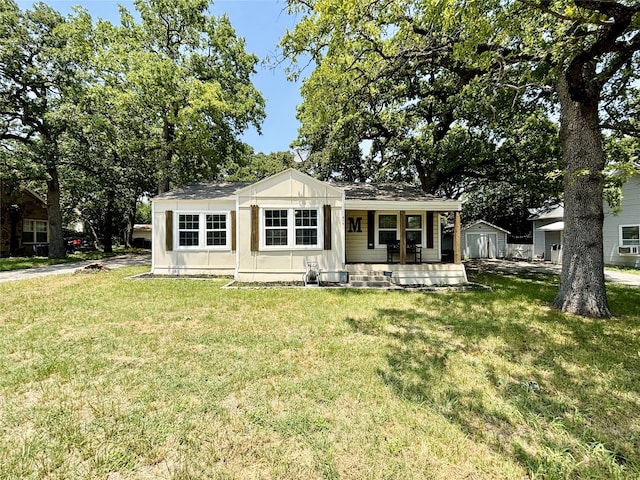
(428, 274)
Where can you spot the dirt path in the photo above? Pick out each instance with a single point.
(112, 262)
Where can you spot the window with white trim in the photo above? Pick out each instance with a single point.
(276, 227)
(294, 228)
(203, 230)
(629, 235)
(387, 228)
(306, 227)
(216, 229)
(188, 230)
(35, 231)
(414, 229)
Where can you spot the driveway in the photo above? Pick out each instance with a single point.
(514, 267)
(111, 262)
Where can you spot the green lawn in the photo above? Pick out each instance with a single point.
(109, 378)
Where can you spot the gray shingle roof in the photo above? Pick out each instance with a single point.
(353, 191)
(384, 191)
(547, 211)
(204, 191)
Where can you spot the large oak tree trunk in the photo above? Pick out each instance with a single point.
(582, 287)
(108, 222)
(56, 239)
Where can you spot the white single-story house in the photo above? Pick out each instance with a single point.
(482, 239)
(621, 231)
(274, 229)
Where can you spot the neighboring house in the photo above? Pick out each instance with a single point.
(274, 229)
(24, 228)
(547, 231)
(621, 232)
(482, 239)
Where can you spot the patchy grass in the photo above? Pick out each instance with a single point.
(108, 378)
(21, 263)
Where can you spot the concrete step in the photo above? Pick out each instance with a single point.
(358, 284)
(368, 278)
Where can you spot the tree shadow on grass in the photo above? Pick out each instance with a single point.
(557, 393)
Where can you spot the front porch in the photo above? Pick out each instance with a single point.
(404, 237)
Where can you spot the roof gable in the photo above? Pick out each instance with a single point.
(290, 183)
(488, 224)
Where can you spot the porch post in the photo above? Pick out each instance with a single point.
(457, 247)
(403, 237)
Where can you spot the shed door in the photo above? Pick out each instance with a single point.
(482, 245)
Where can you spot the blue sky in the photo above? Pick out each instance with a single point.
(262, 23)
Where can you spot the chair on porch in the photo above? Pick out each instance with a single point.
(392, 247)
(415, 250)
(412, 249)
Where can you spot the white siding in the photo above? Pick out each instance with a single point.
(629, 215)
(188, 262)
(290, 189)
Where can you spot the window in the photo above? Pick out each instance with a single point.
(291, 227)
(35, 231)
(188, 230)
(216, 230)
(203, 230)
(387, 229)
(630, 235)
(306, 227)
(276, 227)
(414, 229)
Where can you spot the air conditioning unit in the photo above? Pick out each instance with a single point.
(629, 250)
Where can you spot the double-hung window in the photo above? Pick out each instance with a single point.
(306, 227)
(293, 228)
(414, 229)
(189, 230)
(276, 227)
(203, 230)
(387, 228)
(216, 229)
(35, 231)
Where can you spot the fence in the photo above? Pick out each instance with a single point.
(519, 251)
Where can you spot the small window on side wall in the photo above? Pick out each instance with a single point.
(630, 235)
